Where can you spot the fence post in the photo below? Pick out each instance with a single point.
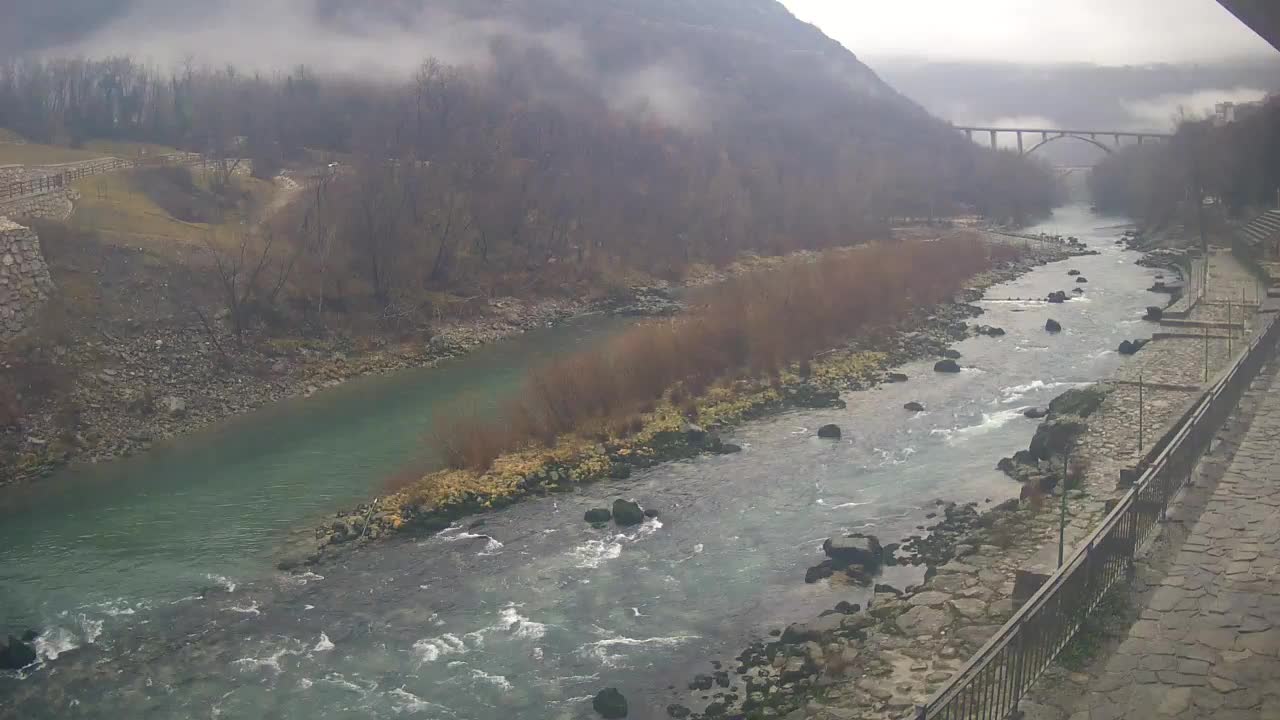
(1206, 353)
(1062, 514)
(1141, 418)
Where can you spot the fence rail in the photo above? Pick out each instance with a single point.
(990, 685)
(53, 182)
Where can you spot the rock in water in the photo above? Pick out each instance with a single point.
(1154, 314)
(1052, 326)
(1082, 279)
(859, 550)
(598, 515)
(694, 433)
(896, 377)
(627, 512)
(946, 366)
(913, 407)
(1073, 272)
(16, 654)
(1035, 413)
(951, 354)
(821, 571)
(830, 432)
(610, 703)
(1127, 348)
(1058, 297)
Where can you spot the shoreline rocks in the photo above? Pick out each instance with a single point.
(18, 653)
(946, 366)
(610, 703)
(627, 512)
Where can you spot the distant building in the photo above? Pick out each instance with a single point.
(1226, 113)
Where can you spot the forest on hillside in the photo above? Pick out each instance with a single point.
(551, 145)
(1237, 165)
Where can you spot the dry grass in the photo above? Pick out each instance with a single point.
(15, 152)
(119, 208)
(755, 325)
(36, 154)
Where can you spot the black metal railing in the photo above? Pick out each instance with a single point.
(55, 181)
(990, 685)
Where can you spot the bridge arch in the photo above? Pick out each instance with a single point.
(1092, 141)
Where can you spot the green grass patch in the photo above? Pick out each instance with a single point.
(1109, 620)
(36, 154)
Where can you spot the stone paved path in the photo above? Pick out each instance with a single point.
(1206, 640)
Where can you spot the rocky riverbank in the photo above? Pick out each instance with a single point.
(133, 387)
(881, 661)
(667, 434)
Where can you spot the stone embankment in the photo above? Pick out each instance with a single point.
(24, 278)
(884, 660)
(54, 205)
(154, 381)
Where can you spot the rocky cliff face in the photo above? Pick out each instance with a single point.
(24, 279)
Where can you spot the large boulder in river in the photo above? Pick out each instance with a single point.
(1052, 326)
(627, 512)
(598, 515)
(951, 354)
(1035, 413)
(1058, 297)
(1056, 436)
(16, 654)
(946, 366)
(1081, 402)
(1154, 314)
(829, 432)
(1073, 273)
(854, 550)
(913, 407)
(610, 703)
(1082, 279)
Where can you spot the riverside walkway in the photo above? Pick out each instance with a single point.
(1205, 639)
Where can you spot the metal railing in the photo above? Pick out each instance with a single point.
(990, 685)
(53, 182)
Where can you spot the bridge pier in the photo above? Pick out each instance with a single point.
(994, 145)
(1020, 151)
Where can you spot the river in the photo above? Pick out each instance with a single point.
(152, 577)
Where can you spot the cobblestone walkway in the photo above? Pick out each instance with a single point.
(1206, 639)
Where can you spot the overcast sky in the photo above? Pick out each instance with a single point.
(1109, 32)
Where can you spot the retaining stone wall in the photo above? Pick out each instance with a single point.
(52, 205)
(24, 278)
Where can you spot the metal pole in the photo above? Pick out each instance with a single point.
(1206, 353)
(1062, 515)
(1230, 330)
(1141, 418)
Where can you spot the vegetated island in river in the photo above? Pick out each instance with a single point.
(758, 343)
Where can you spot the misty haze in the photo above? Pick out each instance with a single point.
(710, 359)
